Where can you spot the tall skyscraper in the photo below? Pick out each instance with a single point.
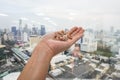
(25, 28)
(20, 24)
(112, 29)
(19, 33)
(43, 30)
(81, 39)
(14, 30)
(34, 30)
(89, 43)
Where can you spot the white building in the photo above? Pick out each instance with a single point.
(14, 76)
(117, 72)
(109, 40)
(10, 36)
(89, 43)
(5, 37)
(56, 72)
(11, 76)
(60, 60)
(115, 48)
(25, 37)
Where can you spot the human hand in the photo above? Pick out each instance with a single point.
(56, 45)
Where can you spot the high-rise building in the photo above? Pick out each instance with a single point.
(6, 30)
(43, 30)
(89, 43)
(81, 40)
(112, 29)
(34, 30)
(19, 32)
(20, 24)
(11, 36)
(25, 29)
(1, 31)
(14, 30)
(25, 37)
(5, 37)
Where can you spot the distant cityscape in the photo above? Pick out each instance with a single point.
(99, 54)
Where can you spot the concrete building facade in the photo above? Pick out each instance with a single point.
(89, 43)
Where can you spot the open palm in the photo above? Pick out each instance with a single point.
(57, 45)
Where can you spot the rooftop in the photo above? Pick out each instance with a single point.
(1, 46)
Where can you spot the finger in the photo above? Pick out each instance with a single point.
(81, 31)
(69, 36)
(75, 32)
(76, 38)
(72, 30)
(80, 34)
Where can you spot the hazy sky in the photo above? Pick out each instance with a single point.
(60, 14)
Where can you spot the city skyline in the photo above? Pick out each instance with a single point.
(62, 14)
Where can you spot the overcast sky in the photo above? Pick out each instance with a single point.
(60, 14)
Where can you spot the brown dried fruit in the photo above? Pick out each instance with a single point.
(62, 35)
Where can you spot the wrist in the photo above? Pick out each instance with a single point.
(43, 49)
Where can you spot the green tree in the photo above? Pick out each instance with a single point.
(104, 51)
